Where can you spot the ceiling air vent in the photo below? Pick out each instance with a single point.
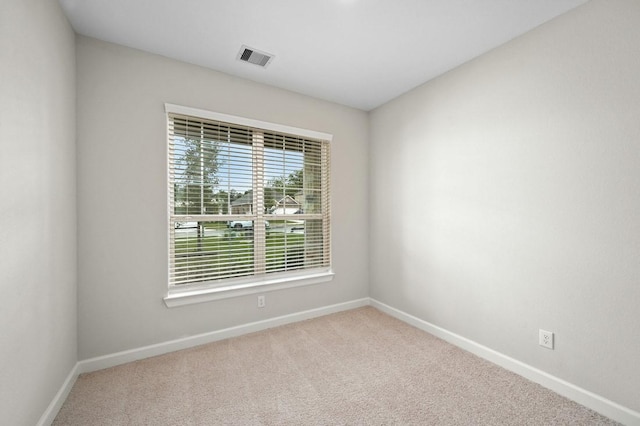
(253, 56)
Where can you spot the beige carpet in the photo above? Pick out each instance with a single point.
(359, 367)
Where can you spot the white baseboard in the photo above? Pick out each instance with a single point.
(99, 363)
(584, 397)
(106, 361)
(595, 402)
(52, 410)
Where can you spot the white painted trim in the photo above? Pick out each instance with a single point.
(124, 357)
(249, 122)
(589, 399)
(188, 297)
(584, 397)
(54, 407)
(112, 360)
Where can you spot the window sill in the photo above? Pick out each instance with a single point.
(188, 297)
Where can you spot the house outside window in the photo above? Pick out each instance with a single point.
(249, 206)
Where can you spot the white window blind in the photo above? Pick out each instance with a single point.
(244, 202)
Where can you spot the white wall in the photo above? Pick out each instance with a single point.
(122, 204)
(38, 341)
(505, 197)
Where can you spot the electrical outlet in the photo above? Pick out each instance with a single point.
(261, 302)
(546, 339)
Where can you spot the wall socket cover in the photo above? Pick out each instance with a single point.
(546, 339)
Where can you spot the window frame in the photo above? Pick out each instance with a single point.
(178, 295)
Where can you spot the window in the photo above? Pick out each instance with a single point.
(248, 205)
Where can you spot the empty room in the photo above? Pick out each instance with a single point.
(420, 212)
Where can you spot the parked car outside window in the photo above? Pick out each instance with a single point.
(243, 224)
(185, 225)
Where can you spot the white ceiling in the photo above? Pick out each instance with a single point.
(360, 53)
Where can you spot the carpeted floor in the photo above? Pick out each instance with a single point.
(358, 367)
